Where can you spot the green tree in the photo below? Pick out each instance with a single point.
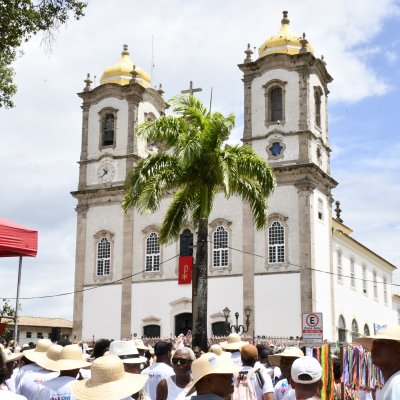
(195, 167)
(19, 21)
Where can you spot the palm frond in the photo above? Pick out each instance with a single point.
(176, 214)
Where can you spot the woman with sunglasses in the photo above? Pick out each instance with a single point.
(174, 387)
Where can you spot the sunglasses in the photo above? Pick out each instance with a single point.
(182, 361)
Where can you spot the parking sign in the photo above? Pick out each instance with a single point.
(312, 328)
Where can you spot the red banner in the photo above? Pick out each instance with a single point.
(185, 270)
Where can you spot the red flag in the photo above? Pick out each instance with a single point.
(185, 270)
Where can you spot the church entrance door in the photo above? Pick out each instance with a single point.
(183, 322)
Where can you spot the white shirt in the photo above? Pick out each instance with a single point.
(283, 391)
(6, 394)
(57, 388)
(391, 389)
(156, 373)
(268, 387)
(28, 385)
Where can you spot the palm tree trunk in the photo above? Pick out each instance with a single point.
(199, 288)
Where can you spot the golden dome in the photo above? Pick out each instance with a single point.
(284, 42)
(121, 72)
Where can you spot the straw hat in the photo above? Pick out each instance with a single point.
(216, 349)
(9, 356)
(126, 351)
(210, 363)
(390, 332)
(71, 357)
(52, 354)
(295, 352)
(109, 381)
(39, 351)
(140, 345)
(234, 342)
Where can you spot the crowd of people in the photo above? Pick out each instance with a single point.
(231, 370)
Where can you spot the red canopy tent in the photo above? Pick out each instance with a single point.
(17, 241)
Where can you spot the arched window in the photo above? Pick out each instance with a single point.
(354, 329)
(276, 243)
(108, 129)
(366, 330)
(275, 95)
(152, 253)
(317, 97)
(342, 329)
(103, 257)
(220, 248)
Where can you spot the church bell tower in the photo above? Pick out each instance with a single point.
(286, 123)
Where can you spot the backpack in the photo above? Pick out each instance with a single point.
(243, 387)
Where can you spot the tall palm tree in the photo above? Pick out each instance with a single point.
(196, 166)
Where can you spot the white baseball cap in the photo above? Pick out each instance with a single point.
(306, 370)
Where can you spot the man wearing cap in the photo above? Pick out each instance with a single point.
(284, 360)
(212, 377)
(385, 353)
(261, 381)
(161, 369)
(306, 373)
(128, 353)
(233, 345)
(32, 374)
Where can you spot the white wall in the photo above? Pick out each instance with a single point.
(102, 313)
(277, 305)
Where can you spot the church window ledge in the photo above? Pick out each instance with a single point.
(108, 128)
(220, 246)
(277, 242)
(104, 252)
(275, 93)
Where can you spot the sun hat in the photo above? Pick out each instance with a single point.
(71, 357)
(109, 381)
(140, 345)
(39, 351)
(216, 349)
(234, 342)
(126, 351)
(9, 356)
(52, 354)
(306, 370)
(389, 332)
(294, 352)
(210, 363)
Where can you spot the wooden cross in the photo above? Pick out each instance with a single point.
(191, 89)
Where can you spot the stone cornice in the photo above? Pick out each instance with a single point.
(161, 104)
(305, 177)
(101, 92)
(115, 157)
(289, 62)
(100, 195)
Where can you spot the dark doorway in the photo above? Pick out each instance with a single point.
(183, 323)
(151, 331)
(218, 328)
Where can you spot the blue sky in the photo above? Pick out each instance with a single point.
(201, 41)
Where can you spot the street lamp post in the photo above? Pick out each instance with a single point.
(240, 329)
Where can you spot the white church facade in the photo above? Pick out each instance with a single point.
(305, 260)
